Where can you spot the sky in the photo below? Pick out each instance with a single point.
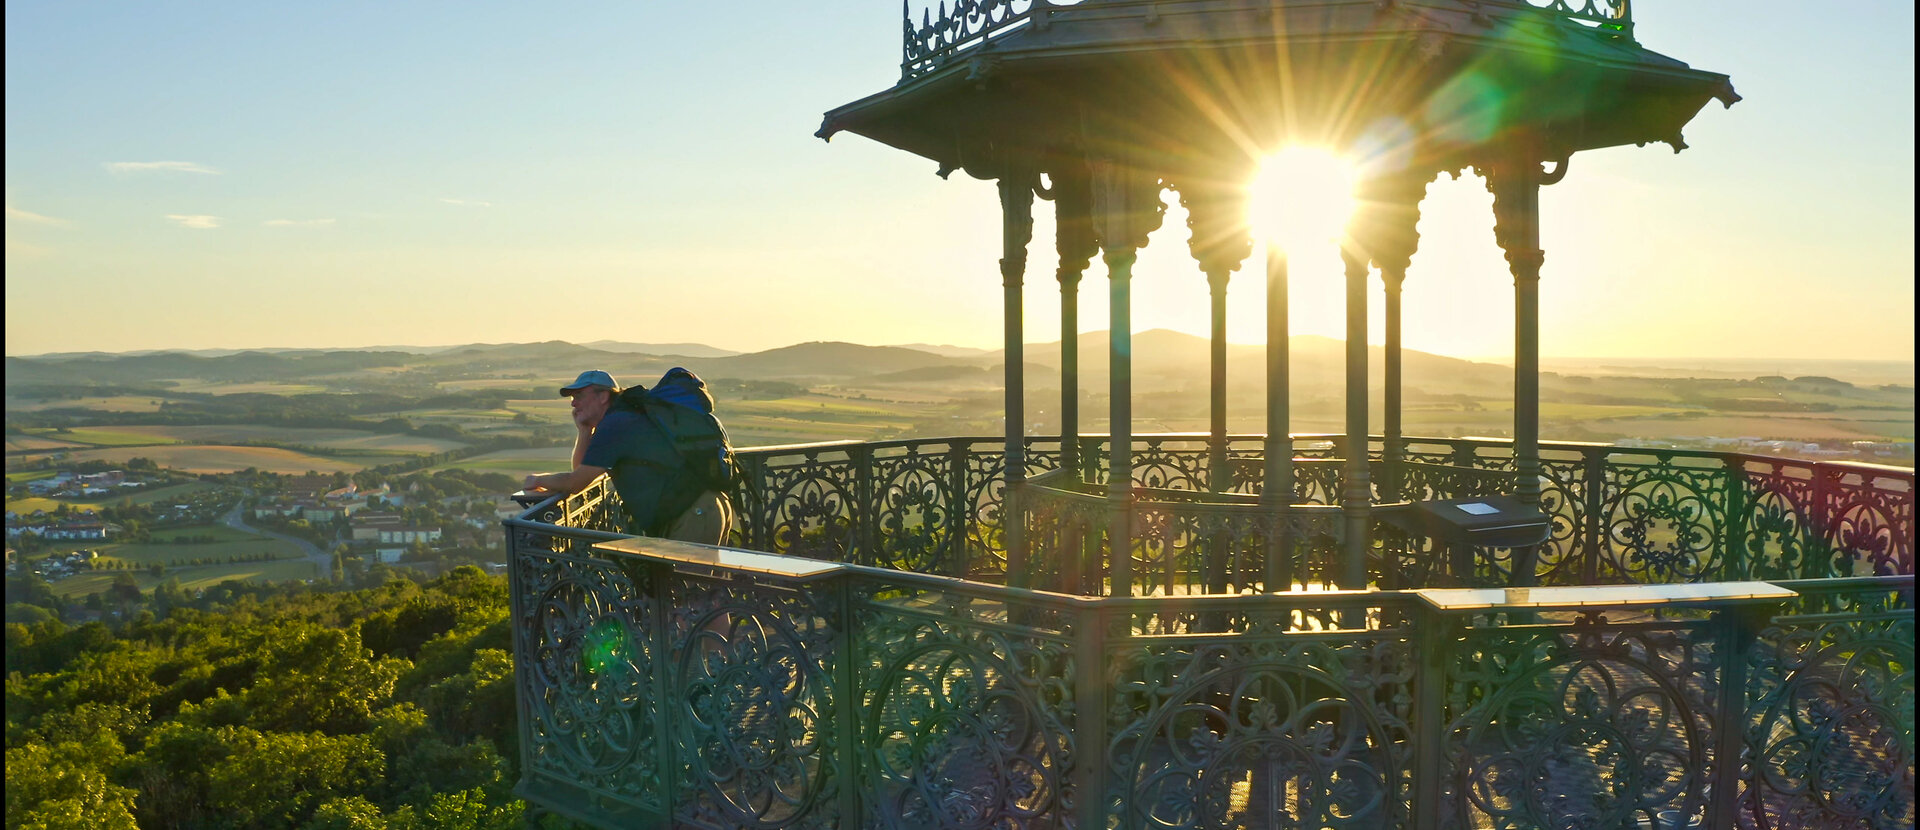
(249, 175)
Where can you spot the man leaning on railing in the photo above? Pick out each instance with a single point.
(659, 490)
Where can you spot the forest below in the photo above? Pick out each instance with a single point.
(269, 706)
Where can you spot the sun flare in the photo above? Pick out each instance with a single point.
(1301, 198)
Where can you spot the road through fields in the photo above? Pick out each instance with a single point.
(322, 561)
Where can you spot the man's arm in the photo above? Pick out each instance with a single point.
(572, 481)
(580, 476)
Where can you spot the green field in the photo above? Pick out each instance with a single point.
(38, 443)
(259, 388)
(117, 403)
(227, 542)
(165, 552)
(156, 495)
(554, 411)
(102, 436)
(287, 563)
(330, 439)
(514, 462)
(192, 578)
(227, 459)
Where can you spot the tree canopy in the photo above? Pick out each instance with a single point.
(389, 707)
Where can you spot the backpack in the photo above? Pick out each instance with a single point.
(682, 408)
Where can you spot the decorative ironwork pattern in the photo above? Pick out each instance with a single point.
(1160, 467)
(1182, 547)
(805, 503)
(1587, 725)
(914, 511)
(966, 24)
(1830, 729)
(965, 705)
(1262, 727)
(965, 712)
(750, 705)
(1869, 517)
(945, 32)
(585, 669)
(1781, 540)
(1619, 515)
(1610, 16)
(1664, 520)
(1067, 533)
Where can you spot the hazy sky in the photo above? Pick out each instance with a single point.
(245, 174)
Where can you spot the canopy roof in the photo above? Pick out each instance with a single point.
(1192, 87)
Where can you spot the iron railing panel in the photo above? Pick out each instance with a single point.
(660, 694)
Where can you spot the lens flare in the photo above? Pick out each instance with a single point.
(1302, 197)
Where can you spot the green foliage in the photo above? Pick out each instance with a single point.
(271, 707)
(465, 810)
(59, 786)
(350, 813)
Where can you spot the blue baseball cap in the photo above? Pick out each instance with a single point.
(591, 377)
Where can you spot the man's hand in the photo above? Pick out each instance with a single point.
(532, 482)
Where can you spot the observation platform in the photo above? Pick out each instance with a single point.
(1712, 640)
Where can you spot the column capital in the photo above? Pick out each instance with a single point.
(1073, 237)
(1525, 263)
(1385, 225)
(1217, 217)
(1217, 281)
(1515, 183)
(1016, 208)
(1126, 207)
(1355, 262)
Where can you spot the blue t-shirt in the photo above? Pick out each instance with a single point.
(646, 472)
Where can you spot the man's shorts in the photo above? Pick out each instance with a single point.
(706, 522)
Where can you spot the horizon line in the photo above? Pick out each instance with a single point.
(1505, 360)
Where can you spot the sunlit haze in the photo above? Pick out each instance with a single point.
(1301, 198)
(233, 175)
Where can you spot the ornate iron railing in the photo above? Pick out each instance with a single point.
(1620, 515)
(893, 686)
(947, 31)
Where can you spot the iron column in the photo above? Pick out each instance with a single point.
(1276, 491)
(1356, 498)
(1016, 206)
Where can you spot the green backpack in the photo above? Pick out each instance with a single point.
(680, 406)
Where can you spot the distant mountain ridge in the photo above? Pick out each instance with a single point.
(662, 349)
(946, 351)
(1163, 360)
(1161, 357)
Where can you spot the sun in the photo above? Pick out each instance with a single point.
(1301, 198)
